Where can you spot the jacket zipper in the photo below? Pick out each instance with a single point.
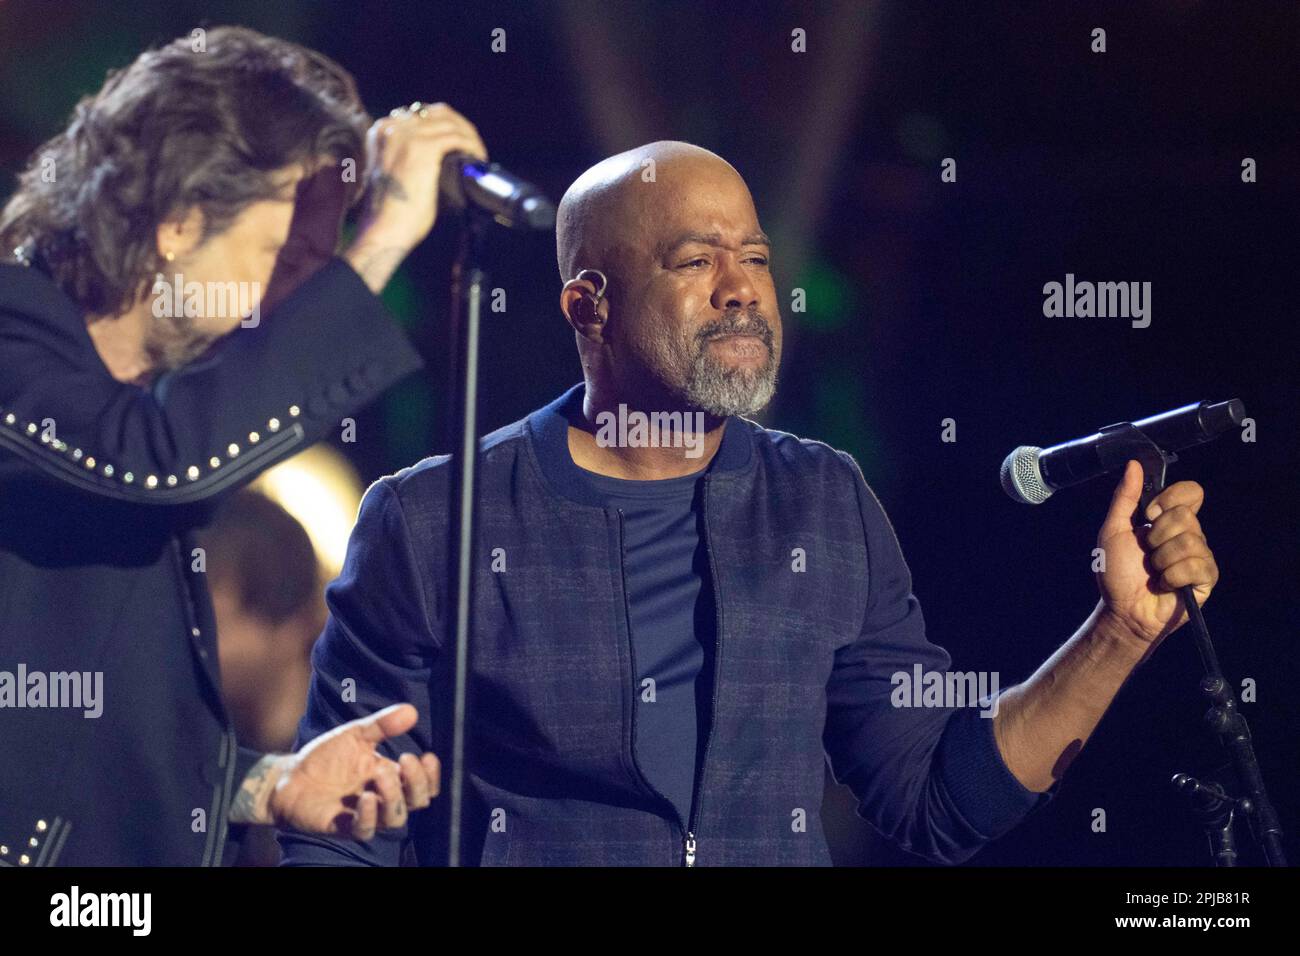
(717, 677)
(688, 842)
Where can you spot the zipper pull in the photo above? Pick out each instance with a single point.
(690, 849)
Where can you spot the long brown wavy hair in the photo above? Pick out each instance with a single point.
(180, 127)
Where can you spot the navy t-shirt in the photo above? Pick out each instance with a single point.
(673, 624)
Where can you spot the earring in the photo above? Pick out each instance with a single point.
(160, 280)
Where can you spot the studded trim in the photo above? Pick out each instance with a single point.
(191, 483)
(41, 848)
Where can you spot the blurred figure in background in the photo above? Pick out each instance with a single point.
(268, 595)
(270, 549)
(268, 598)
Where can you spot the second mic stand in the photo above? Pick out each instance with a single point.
(1214, 807)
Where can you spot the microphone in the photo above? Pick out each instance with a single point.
(1031, 475)
(511, 201)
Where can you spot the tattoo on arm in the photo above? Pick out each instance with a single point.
(375, 256)
(250, 803)
(382, 188)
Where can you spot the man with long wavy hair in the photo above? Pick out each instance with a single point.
(221, 163)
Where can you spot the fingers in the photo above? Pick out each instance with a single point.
(1189, 544)
(392, 804)
(1172, 523)
(391, 793)
(444, 120)
(435, 121)
(1187, 494)
(420, 781)
(380, 805)
(1123, 502)
(442, 138)
(365, 817)
(433, 768)
(1176, 545)
(1201, 573)
(1185, 558)
(392, 721)
(394, 788)
(409, 784)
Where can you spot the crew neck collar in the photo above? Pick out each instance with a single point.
(548, 429)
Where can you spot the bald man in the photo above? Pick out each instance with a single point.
(681, 616)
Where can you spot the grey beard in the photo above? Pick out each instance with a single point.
(718, 390)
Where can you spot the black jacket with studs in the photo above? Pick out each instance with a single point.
(102, 485)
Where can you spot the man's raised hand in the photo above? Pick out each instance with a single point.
(405, 151)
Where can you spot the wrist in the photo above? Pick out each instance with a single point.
(1115, 638)
(375, 256)
(380, 233)
(252, 803)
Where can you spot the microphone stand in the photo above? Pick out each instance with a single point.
(494, 196)
(468, 281)
(1215, 808)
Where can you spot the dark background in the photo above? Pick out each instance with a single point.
(924, 298)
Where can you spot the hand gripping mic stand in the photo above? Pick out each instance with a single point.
(1213, 807)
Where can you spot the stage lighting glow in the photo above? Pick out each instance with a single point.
(321, 489)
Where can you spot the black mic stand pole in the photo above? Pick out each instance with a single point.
(1214, 807)
(468, 281)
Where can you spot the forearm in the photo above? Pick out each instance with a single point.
(375, 258)
(384, 238)
(1043, 723)
(326, 350)
(252, 802)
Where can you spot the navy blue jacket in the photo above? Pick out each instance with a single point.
(803, 674)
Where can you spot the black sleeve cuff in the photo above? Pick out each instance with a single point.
(985, 792)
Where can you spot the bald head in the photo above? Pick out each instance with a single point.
(606, 208)
(689, 317)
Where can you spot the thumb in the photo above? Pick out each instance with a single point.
(1124, 502)
(389, 722)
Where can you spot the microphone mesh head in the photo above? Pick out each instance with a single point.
(1021, 477)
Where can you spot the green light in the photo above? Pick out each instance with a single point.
(840, 408)
(408, 419)
(399, 297)
(827, 298)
